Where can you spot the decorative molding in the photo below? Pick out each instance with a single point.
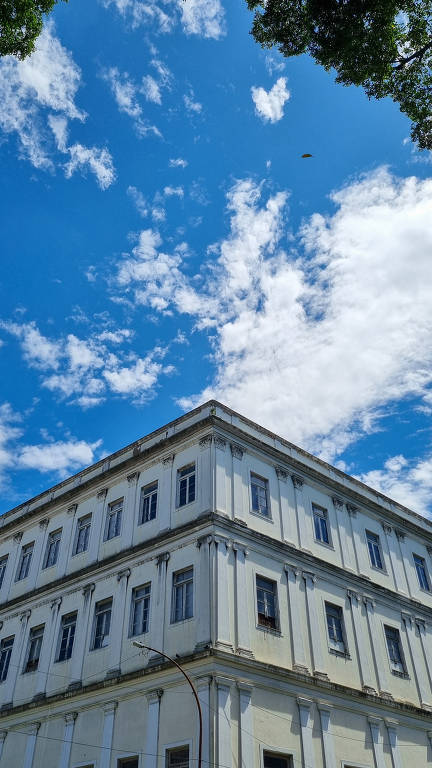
(224, 682)
(17, 537)
(110, 707)
(33, 728)
(337, 502)
(88, 589)
(399, 535)
(154, 695)
(72, 509)
(132, 478)
(245, 687)
(369, 601)
(298, 481)
(309, 575)
(353, 595)
(3, 735)
(237, 451)
(294, 569)
(429, 550)
(168, 460)
(420, 624)
(352, 510)
(70, 717)
(124, 574)
(281, 473)
(56, 603)
(206, 539)
(43, 524)
(205, 442)
(162, 558)
(220, 442)
(25, 615)
(304, 703)
(387, 529)
(240, 548)
(102, 494)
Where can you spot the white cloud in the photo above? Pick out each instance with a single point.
(178, 162)
(125, 93)
(135, 379)
(151, 90)
(407, 481)
(203, 17)
(37, 349)
(138, 198)
(269, 105)
(39, 93)
(190, 103)
(316, 342)
(173, 191)
(138, 12)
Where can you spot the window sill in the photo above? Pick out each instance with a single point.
(340, 654)
(181, 621)
(324, 544)
(268, 518)
(106, 541)
(139, 634)
(269, 630)
(76, 554)
(102, 648)
(152, 520)
(402, 675)
(379, 570)
(47, 567)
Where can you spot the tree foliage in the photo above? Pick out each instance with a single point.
(21, 23)
(383, 45)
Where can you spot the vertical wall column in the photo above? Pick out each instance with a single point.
(298, 650)
(314, 627)
(32, 731)
(80, 641)
(48, 647)
(377, 741)
(16, 661)
(157, 619)
(107, 733)
(287, 513)
(117, 624)
(327, 736)
(39, 549)
(67, 540)
(151, 747)
(304, 706)
(377, 645)
(224, 738)
(303, 515)
(238, 507)
(423, 687)
(425, 637)
(203, 594)
(97, 525)
(395, 560)
(246, 728)
(408, 565)
(222, 504)
(203, 690)
(243, 644)
(3, 735)
(166, 499)
(345, 538)
(392, 726)
(367, 678)
(206, 476)
(11, 567)
(130, 508)
(69, 726)
(223, 615)
(359, 542)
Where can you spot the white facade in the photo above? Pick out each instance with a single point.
(298, 599)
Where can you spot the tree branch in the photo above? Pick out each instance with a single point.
(416, 55)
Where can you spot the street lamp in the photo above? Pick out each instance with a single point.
(194, 690)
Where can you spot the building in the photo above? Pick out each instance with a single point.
(297, 598)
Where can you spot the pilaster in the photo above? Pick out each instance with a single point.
(238, 508)
(158, 606)
(166, 500)
(3, 735)
(293, 584)
(327, 735)
(11, 567)
(224, 737)
(407, 564)
(109, 710)
(32, 732)
(243, 642)
(360, 633)
(397, 567)
(415, 652)
(287, 508)
(47, 649)
(303, 515)
(203, 689)
(360, 552)
(222, 503)
(39, 549)
(315, 630)
(67, 539)
(345, 538)
(392, 731)
(425, 637)
(305, 706)
(203, 594)
(97, 525)
(16, 661)
(206, 478)
(117, 624)
(151, 747)
(130, 508)
(246, 727)
(377, 645)
(69, 726)
(223, 617)
(81, 634)
(377, 741)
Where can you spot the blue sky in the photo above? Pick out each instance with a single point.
(163, 242)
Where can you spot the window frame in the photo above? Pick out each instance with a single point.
(98, 611)
(132, 609)
(183, 586)
(147, 492)
(377, 543)
(63, 625)
(123, 761)
(262, 483)
(262, 625)
(80, 527)
(333, 644)
(24, 548)
(3, 641)
(403, 672)
(321, 513)
(283, 755)
(177, 745)
(187, 476)
(35, 636)
(3, 561)
(423, 565)
(114, 512)
(51, 541)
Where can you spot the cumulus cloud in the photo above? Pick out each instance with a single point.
(138, 12)
(269, 105)
(37, 100)
(407, 481)
(139, 200)
(190, 103)
(316, 341)
(178, 162)
(125, 93)
(173, 191)
(204, 18)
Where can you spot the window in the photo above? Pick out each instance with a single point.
(102, 623)
(374, 547)
(34, 648)
(395, 651)
(128, 762)
(186, 485)
(67, 635)
(52, 550)
(335, 627)
(177, 758)
(259, 494)
(182, 600)
(3, 564)
(5, 654)
(273, 760)
(148, 503)
(24, 562)
(267, 603)
(140, 613)
(422, 575)
(320, 524)
(82, 534)
(113, 521)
